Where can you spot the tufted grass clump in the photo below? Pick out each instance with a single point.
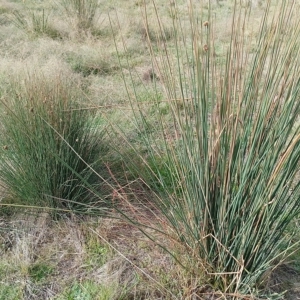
(81, 13)
(47, 140)
(231, 153)
(35, 23)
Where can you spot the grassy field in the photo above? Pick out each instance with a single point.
(149, 150)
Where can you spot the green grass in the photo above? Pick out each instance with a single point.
(88, 290)
(96, 253)
(10, 292)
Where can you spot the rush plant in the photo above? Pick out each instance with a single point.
(47, 141)
(232, 149)
(83, 12)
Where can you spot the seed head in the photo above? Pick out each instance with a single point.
(205, 24)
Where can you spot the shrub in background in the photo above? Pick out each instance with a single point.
(234, 146)
(47, 141)
(83, 12)
(36, 24)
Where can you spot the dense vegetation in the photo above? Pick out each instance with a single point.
(166, 149)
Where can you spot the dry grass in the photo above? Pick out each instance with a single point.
(46, 259)
(107, 252)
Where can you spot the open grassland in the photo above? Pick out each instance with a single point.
(149, 149)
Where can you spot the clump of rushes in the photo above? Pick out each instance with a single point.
(234, 146)
(83, 12)
(38, 24)
(47, 142)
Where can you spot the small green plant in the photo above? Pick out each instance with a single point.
(96, 253)
(47, 141)
(39, 271)
(89, 290)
